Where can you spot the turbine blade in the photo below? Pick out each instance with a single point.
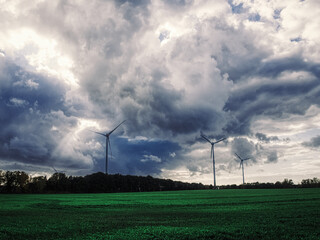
(245, 159)
(240, 164)
(211, 150)
(116, 127)
(220, 140)
(54, 169)
(98, 133)
(204, 137)
(238, 156)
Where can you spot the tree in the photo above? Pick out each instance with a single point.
(22, 180)
(9, 182)
(2, 180)
(58, 182)
(38, 184)
(2, 177)
(287, 182)
(16, 182)
(314, 182)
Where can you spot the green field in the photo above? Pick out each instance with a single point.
(202, 214)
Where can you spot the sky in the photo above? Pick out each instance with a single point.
(248, 70)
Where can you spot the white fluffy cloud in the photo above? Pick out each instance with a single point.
(147, 158)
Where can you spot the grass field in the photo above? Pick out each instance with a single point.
(202, 214)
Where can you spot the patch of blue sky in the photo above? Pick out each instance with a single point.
(236, 9)
(254, 18)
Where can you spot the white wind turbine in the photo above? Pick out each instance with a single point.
(241, 163)
(107, 135)
(212, 154)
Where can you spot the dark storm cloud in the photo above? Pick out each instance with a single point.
(250, 62)
(274, 98)
(31, 105)
(256, 152)
(242, 64)
(140, 91)
(136, 12)
(140, 157)
(35, 90)
(264, 138)
(244, 148)
(272, 157)
(313, 143)
(236, 126)
(273, 68)
(163, 111)
(37, 94)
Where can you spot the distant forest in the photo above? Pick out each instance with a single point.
(21, 182)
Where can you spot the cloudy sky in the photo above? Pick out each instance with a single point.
(248, 70)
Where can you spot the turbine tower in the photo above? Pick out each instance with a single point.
(107, 135)
(212, 155)
(241, 163)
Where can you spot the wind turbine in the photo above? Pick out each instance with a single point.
(107, 135)
(241, 163)
(212, 154)
(56, 171)
(59, 174)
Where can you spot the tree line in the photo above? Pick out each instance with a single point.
(286, 183)
(21, 182)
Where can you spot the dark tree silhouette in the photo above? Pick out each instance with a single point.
(309, 183)
(20, 182)
(2, 177)
(38, 184)
(15, 182)
(58, 182)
